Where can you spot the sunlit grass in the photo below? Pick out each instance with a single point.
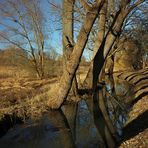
(21, 94)
(24, 95)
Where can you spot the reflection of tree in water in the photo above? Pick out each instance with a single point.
(55, 126)
(103, 117)
(117, 112)
(87, 135)
(116, 106)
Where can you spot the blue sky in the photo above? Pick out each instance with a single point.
(52, 26)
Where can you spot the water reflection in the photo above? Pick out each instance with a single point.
(50, 131)
(75, 125)
(87, 134)
(116, 94)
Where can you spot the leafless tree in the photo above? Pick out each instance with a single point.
(22, 23)
(104, 44)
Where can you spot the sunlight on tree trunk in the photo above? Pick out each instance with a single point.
(68, 39)
(72, 64)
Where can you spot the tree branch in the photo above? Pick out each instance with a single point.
(14, 43)
(88, 7)
(54, 5)
(135, 5)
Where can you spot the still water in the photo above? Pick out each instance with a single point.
(72, 126)
(54, 131)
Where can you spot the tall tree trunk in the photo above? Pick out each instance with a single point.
(59, 94)
(98, 64)
(68, 41)
(101, 32)
(108, 40)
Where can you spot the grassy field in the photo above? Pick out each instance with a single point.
(21, 94)
(25, 95)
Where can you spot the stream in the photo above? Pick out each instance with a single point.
(71, 126)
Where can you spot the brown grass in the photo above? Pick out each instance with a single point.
(22, 95)
(13, 72)
(29, 101)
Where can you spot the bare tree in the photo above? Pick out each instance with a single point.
(72, 63)
(111, 16)
(136, 29)
(25, 29)
(108, 39)
(68, 35)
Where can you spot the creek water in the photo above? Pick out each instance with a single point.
(71, 126)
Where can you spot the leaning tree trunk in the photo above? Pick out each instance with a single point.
(103, 46)
(98, 63)
(59, 94)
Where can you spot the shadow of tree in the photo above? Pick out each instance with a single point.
(136, 126)
(143, 94)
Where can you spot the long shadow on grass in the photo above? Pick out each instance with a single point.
(136, 126)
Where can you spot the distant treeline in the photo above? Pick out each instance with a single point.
(15, 57)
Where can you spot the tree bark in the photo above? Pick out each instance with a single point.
(101, 32)
(68, 41)
(108, 40)
(60, 93)
(62, 90)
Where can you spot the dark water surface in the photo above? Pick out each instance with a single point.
(54, 131)
(72, 126)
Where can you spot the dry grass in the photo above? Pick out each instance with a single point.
(25, 96)
(22, 95)
(13, 72)
(139, 140)
(29, 101)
